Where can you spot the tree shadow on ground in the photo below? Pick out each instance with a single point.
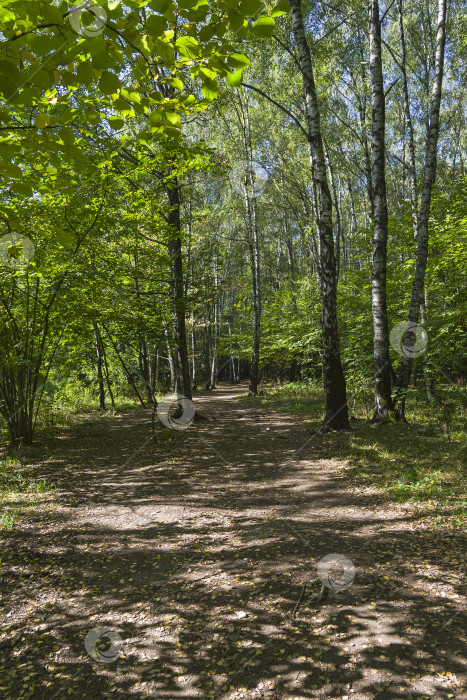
(195, 553)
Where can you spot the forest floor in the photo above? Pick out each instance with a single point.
(194, 551)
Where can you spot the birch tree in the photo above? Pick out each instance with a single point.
(382, 366)
(336, 415)
(429, 176)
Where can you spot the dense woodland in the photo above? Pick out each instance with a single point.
(199, 192)
(233, 349)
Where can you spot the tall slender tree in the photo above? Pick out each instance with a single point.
(382, 368)
(429, 176)
(337, 414)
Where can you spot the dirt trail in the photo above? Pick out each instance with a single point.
(194, 552)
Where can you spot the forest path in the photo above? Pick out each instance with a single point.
(194, 551)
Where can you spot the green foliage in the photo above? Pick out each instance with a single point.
(392, 459)
(19, 489)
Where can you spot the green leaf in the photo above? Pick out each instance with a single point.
(63, 237)
(102, 59)
(173, 118)
(22, 188)
(188, 47)
(109, 83)
(51, 14)
(248, 8)
(176, 83)
(200, 11)
(264, 27)
(187, 4)
(188, 100)
(11, 72)
(67, 135)
(159, 5)
(206, 33)
(43, 79)
(238, 60)
(235, 20)
(165, 51)
(155, 117)
(145, 137)
(156, 25)
(242, 33)
(70, 79)
(280, 9)
(116, 122)
(11, 170)
(84, 73)
(42, 121)
(123, 108)
(234, 79)
(209, 88)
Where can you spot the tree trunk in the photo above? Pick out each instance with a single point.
(215, 340)
(429, 176)
(106, 368)
(429, 382)
(129, 377)
(194, 380)
(384, 407)
(337, 415)
(100, 375)
(177, 288)
(253, 247)
(143, 360)
(362, 104)
(170, 360)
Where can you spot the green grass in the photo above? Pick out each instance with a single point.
(64, 415)
(424, 463)
(19, 490)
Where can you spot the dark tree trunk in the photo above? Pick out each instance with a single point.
(100, 375)
(177, 289)
(128, 374)
(106, 368)
(337, 415)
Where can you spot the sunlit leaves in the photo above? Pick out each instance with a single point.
(248, 8)
(188, 47)
(234, 79)
(164, 48)
(238, 60)
(210, 86)
(173, 119)
(280, 9)
(176, 83)
(155, 118)
(135, 64)
(264, 27)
